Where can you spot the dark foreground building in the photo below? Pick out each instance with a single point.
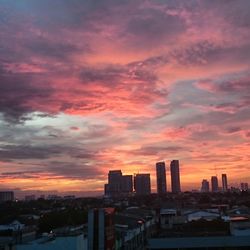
(201, 243)
(101, 229)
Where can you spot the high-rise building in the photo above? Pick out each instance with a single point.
(101, 229)
(175, 176)
(114, 182)
(161, 178)
(6, 196)
(118, 184)
(214, 184)
(127, 184)
(106, 189)
(205, 186)
(142, 184)
(224, 183)
(244, 186)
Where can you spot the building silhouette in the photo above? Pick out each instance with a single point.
(6, 196)
(142, 184)
(214, 184)
(244, 186)
(224, 182)
(161, 178)
(114, 182)
(175, 176)
(127, 184)
(205, 186)
(118, 184)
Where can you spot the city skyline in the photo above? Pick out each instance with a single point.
(92, 86)
(119, 185)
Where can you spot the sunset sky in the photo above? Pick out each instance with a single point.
(87, 86)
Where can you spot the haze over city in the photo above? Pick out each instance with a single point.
(92, 86)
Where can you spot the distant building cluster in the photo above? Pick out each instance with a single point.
(6, 196)
(118, 183)
(205, 187)
(140, 184)
(244, 186)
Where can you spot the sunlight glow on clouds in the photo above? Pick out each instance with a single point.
(88, 86)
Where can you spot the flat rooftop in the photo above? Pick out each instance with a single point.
(199, 242)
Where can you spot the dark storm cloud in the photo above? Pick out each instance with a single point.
(17, 91)
(154, 150)
(232, 130)
(21, 174)
(13, 152)
(25, 152)
(57, 170)
(209, 53)
(235, 12)
(111, 75)
(57, 50)
(73, 170)
(118, 75)
(153, 27)
(201, 53)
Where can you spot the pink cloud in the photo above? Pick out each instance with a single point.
(144, 81)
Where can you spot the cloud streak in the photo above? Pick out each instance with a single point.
(88, 86)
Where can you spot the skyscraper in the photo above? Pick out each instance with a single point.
(161, 178)
(118, 184)
(205, 186)
(224, 182)
(114, 182)
(175, 176)
(127, 184)
(142, 184)
(214, 183)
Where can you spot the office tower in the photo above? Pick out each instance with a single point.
(127, 184)
(175, 176)
(224, 182)
(106, 189)
(214, 183)
(114, 182)
(205, 186)
(118, 184)
(161, 178)
(142, 184)
(244, 186)
(6, 196)
(101, 229)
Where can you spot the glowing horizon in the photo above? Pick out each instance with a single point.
(86, 87)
